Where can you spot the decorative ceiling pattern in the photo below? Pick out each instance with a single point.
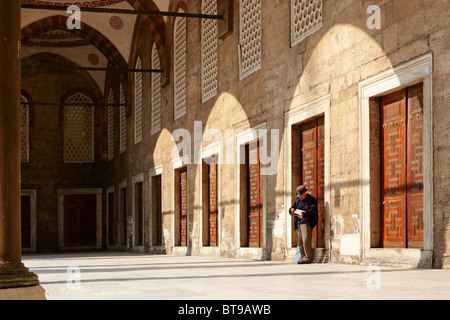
(55, 39)
(56, 35)
(103, 38)
(116, 23)
(84, 4)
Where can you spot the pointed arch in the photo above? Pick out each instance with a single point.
(93, 36)
(157, 27)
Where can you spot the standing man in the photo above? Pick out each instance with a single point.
(305, 221)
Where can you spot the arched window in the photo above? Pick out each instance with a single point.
(180, 34)
(24, 129)
(110, 126)
(156, 92)
(209, 50)
(123, 123)
(78, 129)
(249, 37)
(138, 96)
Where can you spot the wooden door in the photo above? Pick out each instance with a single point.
(111, 220)
(157, 211)
(138, 214)
(183, 207)
(393, 146)
(88, 218)
(313, 172)
(26, 221)
(402, 168)
(80, 220)
(255, 196)
(319, 231)
(415, 167)
(72, 221)
(123, 217)
(213, 212)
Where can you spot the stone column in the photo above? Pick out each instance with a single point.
(13, 273)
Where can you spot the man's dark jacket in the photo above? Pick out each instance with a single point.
(311, 216)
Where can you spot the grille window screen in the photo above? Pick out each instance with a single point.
(180, 67)
(123, 123)
(78, 130)
(250, 36)
(306, 18)
(138, 103)
(156, 92)
(209, 50)
(24, 130)
(111, 126)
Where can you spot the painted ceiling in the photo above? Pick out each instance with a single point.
(117, 28)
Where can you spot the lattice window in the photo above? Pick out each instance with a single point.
(209, 50)
(156, 92)
(123, 123)
(306, 18)
(138, 96)
(24, 130)
(250, 36)
(79, 130)
(111, 126)
(180, 35)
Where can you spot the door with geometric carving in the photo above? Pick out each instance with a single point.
(213, 213)
(255, 196)
(402, 168)
(183, 207)
(26, 221)
(313, 171)
(111, 220)
(80, 220)
(157, 216)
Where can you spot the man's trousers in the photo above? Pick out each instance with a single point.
(304, 233)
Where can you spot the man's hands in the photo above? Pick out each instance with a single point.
(292, 210)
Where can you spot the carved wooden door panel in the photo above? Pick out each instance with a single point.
(402, 168)
(138, 214)
(26, 221)
(313, 172)
(393, 147)
(309, 157)
(183, 199)
(88, 218)
(71, 221)
(415, 167)
(158, 211)
(123, 217)
(320, 228)
(111, 220)
(80, 220)
(213, 213)
(255, 197)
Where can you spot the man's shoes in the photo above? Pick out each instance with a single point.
(305, 262)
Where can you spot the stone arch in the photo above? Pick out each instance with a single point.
(93, 36)
(29, 99)
(157, 27)
(47, 57)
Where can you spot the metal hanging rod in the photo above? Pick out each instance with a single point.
(125, 11)
(92, 69)
(74, 104)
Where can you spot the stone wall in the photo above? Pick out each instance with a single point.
(46, 171)
(332, 62)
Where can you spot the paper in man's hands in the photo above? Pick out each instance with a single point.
(298, 212)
